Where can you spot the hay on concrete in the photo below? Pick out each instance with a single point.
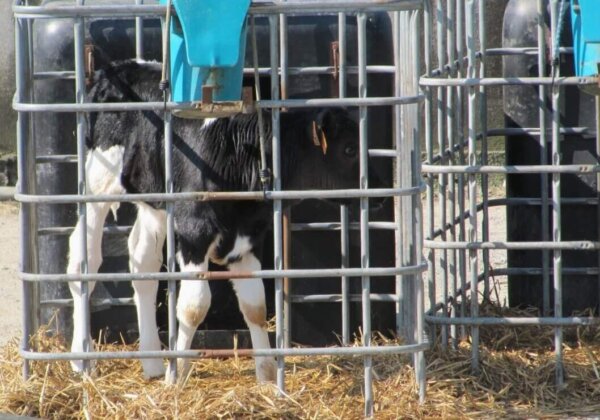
(513, 382)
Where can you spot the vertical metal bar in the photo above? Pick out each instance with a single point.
(343, 62)
(543, 105)
(417, 211)
(139, 35)
(79, 39)
(364, 210)
(472, 158)
(556, 198)
(442, 178)
(345, 253)
(26, 185)
(429, 151)
(402, 317)
(277, 205)
(485, 228)
(171, 285)
(287, 231)
(462, 255)
(450, 133)
(344, 221)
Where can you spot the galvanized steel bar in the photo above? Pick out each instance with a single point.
(556, 195)
(505, 81)
(485, 224)
(542, 106)
(171, 266)
(361, 23)
(256, 8)
(345, 281)
(198, 354)
(139, 34)
(431, 283)
(79, 39)
(513, 169)
(517, 321)
(563, 245)
(336, 297)
(344, 222)
(26, 184)
(217, 196)
(451, 132)
(442, 176)
(277, 205)
(286, 214)
(472, 180)
(171, 106)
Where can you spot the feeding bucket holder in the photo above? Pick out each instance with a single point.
(207, 48)
(585, 19)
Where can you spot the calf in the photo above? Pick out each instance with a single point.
(126, 154)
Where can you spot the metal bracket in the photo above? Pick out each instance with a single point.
(215, 109)
(89, 64)
(334, 57)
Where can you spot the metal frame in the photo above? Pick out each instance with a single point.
(405, 101)
(461, 75)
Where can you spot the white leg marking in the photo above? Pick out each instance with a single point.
(251, 298)
(145, 256)
(192, 306)
(103, 169)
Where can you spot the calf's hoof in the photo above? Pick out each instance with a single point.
(153, 368)
(266, 370)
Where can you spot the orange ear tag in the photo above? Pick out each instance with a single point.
(323, 142)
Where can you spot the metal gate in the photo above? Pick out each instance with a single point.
(459, 170)
(403, 149)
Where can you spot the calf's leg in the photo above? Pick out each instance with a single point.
(251, 298)
(192, 306)
(145, 256)
(103, 168)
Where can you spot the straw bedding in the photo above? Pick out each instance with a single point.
(516, 380)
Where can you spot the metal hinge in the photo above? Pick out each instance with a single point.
(89, 65)
(335, 64)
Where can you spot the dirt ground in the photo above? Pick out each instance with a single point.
(10, 286)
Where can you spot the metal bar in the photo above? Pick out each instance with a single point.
(427, 23)
(512, 169)
(26, 184)
(171, 106)
(504, 81)
(451, 107)
(344, 222)
(361, 23)
(485, 224)
(556, 196)
(79, 39)
(171, 266)
(543, 104)
(256, 8)
(287, 231)
(345, 286)
(277, 205)
(516, 321)
(226, 275)
(336, 297)
(498, 132)
(198, 354)
(217, 196)
(417, 214)
(554, 245)
(139, 34)
(472, 181)
(442, 176)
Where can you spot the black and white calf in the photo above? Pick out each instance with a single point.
(318, 151)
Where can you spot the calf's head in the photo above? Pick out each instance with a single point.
(326, 153)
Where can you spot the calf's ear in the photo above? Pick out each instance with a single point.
(319, 138)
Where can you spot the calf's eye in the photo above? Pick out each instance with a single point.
(350, 151)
